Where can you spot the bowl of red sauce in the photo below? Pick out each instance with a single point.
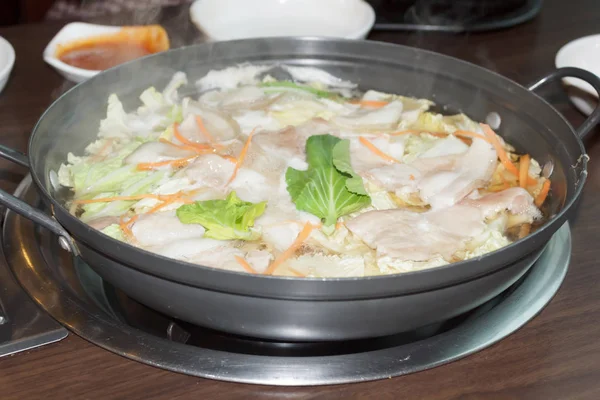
(80, 50)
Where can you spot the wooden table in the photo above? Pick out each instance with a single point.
(556, 356)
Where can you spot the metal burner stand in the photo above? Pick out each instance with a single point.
(23, 325)
(58, 284)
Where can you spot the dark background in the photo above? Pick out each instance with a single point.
(23, 11)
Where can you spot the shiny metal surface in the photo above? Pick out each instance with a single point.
(23, 325)
(47, 275)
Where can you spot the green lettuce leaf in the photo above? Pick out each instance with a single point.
(145, 184)
(341, 161)
(114, 231)
(329, 188)
(295, 86)
(89, 177)
(226, 219)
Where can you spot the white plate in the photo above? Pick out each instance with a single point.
(7, 61)
(239, 19)
(74, 31)
(582, 53)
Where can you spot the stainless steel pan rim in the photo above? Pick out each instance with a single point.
(97, 237)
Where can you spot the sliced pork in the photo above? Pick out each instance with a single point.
(153, 152)
(410, 236)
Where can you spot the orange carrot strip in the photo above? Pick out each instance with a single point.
(182, 139)
(245, 264)
(163, 205)
(471, 135)
(230, 158)
(499, 150)
(125, 227)
(180, 162)
(524, 170)
(179, 146)
(407, 132)
(365, 142)
(240, 159)
(130, 198)
(118, 198)
(371, 103)
(297, 273)
(541, 197)
(302, 236)
(203, 129)
(167, 199)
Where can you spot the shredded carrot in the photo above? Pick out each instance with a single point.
(118, 198)
(125, 227)
(541, 197)
(203, 129)
(302, 236)
(165, 203)
(297, 273)
(411, 177)
(371, 103)
(177, 163)
(499, 150)
(524, 170)
(407, 132)
(365, 142)
(167, 199)
(245, 264)
(240, 159)
(471, 135)
(230, 158)
(182, 139)
(163, 197)
(179, 146)
(338, 225)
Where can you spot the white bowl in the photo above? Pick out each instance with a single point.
(239, 19)
(74, 31)
(7, 61)
(582, 53)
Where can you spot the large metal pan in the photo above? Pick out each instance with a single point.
(292, 309)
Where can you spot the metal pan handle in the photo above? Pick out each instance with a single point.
(20, 207)
(584, 75)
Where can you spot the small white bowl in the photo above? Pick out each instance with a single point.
(70, 32)
(240, 19)
(582, 53)
(7, 61)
